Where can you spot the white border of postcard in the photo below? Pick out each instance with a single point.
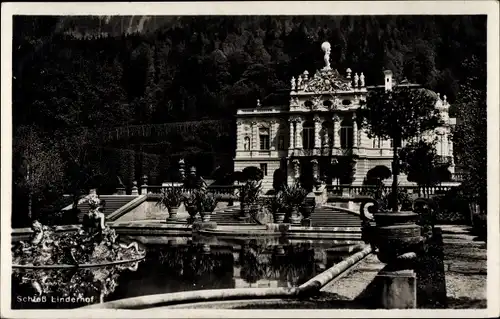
(491, 8)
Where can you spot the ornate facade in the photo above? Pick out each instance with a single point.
(319, 127)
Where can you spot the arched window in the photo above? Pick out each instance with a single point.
(246, 143)
(308, 135)
(264, 138)
(346, 134)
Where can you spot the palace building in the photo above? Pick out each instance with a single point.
(318, 128)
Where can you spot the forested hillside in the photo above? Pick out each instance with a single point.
(83, 72)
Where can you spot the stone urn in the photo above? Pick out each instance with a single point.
(172, 212)
(205, 216)
(245, 210)
(279, 217)
(192, 211)
(253, 209)
(393, 234)
(396, 234)
(294, 215)
(205, 248)
(279, 250)
(306, 210)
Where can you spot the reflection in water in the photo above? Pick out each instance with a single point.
(193, 264)
(291, 264)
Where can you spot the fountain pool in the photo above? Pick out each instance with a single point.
(181, 264)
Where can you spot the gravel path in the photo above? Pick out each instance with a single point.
(465, 271)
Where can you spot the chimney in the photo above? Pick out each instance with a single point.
(388, 80)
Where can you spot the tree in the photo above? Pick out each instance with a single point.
(420, 163)
(41, 168)
(470, 136)
(82, 161)
(253, 173)
(279, 179)
(376, 175)
(399, 114)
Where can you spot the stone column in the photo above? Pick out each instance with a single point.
(291, 143)
(255, 137)
(336, 135)
(239, 135)
(317, 128)
(273, 137)
(298, 133)
(354, 132)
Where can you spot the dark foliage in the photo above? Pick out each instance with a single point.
(178, 69)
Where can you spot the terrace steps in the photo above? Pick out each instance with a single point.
(322, 217)
(331, 217)
(113, 202)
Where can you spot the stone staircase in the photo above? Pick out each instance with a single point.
(228, 216)
(113, 202)
(322, 217)
(332, 217)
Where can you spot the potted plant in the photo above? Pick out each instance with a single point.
(190, 202)
(278, 206)
(207, 202)
(255, 188)
(249, 195)
(402, 197)
(295, 196)
(171, 198)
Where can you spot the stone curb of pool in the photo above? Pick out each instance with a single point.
(64, 266)
(138, 228)
(308, 288)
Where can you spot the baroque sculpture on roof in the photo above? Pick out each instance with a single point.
(327, 81)
(324, 80)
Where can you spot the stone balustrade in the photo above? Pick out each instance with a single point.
(353, 191)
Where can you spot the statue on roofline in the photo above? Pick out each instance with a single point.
(326, 47)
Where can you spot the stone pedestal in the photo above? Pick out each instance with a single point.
(199, 225)
(306, 222)
(397, 289)
(295, 218)
(320, 196)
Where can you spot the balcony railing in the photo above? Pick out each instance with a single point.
(231, 192)
(353, 191)
(324, 151)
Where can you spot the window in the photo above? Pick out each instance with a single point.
(263, 168)
(281, 142)
(264, 138)
(376, 142)
(346, 134)
(246, 143)
(308, 136)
